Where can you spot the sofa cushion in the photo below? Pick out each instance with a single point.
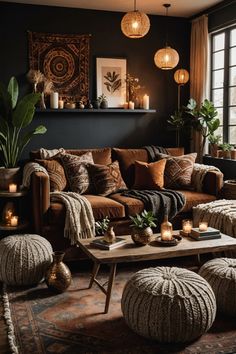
(101, 156)
(132, 206)
(149, 175)
(77, 172)
(56, 174)
(194, 198)
(106, 179)
(178, 170)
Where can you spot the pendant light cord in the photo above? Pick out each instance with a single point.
(167, 7)
(135, 9)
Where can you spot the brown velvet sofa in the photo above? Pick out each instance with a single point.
(48, 218)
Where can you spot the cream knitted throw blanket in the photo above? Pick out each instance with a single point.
(199, 172)
(79, 222)
(220, 214)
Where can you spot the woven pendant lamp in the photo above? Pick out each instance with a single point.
(135, 24)
(181, 76)
(166, 58)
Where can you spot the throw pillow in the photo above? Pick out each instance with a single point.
(77, 172)
(106, 179)
(149, 175)
(56, 174)
(178, 171)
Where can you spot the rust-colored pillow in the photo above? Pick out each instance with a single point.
(178, 171)
(77, 172)
(149, 175)
(106, 179)
(56, 174)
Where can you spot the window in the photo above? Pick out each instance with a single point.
(223, 81)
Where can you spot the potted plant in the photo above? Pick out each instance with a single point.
(15, 115)
(142, 224)
(225, 150)
(103, 103)
(214, 141)
(104, 228)
(178, 121)
(204, 120)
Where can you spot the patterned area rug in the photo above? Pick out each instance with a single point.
(73, 322)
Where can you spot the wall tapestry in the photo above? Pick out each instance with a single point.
(63, 59)
(111, 75)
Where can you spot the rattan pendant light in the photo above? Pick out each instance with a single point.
(135, 24)
(166, 58)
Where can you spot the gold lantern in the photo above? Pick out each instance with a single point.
(135, 24)
(166, 229)
(181, 76)
(166, 58)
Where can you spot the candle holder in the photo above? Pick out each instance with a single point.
(166, 229)
(187, 226)
(203, 226)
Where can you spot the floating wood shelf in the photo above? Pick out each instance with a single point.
(97, 111)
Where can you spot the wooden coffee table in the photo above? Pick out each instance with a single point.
(130, 252)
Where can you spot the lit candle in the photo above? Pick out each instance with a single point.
(131, 105)
(126, 105)
(203, 225)
(60, 104)
(8, 217)
(54, 100)
(145, 102)
(166, 235)
(187, 226)
(14, 220)
(12, 188)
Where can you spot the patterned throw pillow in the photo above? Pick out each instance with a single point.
(178, 171)
(77, 171)
(149, 175)
(56, 174)
(106, 179)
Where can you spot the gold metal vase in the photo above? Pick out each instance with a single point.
(58, 276)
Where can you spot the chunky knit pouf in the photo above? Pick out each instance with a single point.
(24, 259)
(168, 304)
(221, 275)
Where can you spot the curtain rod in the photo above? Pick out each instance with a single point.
(217, 8)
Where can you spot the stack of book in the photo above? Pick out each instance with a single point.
(209, 234)
(101, 243)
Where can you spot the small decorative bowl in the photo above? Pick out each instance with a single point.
(169, 243)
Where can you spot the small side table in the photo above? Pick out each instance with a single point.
(229, 189)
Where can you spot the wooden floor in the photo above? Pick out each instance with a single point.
(4, 347)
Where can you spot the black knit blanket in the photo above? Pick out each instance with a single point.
(153, 151)
(160, 203)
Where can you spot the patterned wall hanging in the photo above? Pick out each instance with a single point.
(63, 59)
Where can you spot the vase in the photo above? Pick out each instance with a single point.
(58, 276)
(142, 237)
(104, 104)
(109, 235)
(42, 104)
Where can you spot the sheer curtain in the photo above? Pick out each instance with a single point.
(198, 68)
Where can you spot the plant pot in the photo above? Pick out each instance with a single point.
(233, 154)
(142, 237)
(213, 150)
(8, 176)
(104, 104)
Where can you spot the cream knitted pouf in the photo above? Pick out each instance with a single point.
(168, 304)
(24, 259)
(221, 275)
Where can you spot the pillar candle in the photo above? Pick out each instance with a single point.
(146, 102)
(126, 105)
(14, 220)
(54, 100)
(60, 104)
(131, 105)
(203, 225)
(12, 188)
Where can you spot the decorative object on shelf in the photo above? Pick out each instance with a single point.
(203, 225)
(126, 105)
(103, 103)
(7, 213)
(58, 276)
(70, 105)
(14, 220)
(102, 226)
(166, 58)
(166, 229)
(214, 141)
(61, 103)
(131, 105)
(64, 60)
(111, 73)
(54, 98)
(109, 235)
(40, 84)
(203, 119)
(225, 150)
(145, 104)
(15, 116)
(96, 104)
(132, 87)
(135, 24)
(12, 188)
(141, 232)
(187, 226)
(181, 77)
(89, 105)
(24, 259)
(81, 105)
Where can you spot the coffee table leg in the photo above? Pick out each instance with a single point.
(96, 267)
(109, 287)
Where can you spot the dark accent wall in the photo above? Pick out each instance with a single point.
(73, 130)
(222, 15)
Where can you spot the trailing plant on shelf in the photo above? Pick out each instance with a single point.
(142, 227)
(15, 115)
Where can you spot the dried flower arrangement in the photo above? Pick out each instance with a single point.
(133, 86)
(40, 84)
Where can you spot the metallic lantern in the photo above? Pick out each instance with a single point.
(181, 76)
(135, 24)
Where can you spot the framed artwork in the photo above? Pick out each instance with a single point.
(111, 74)
(64, 60)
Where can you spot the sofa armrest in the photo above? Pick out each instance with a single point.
(40, 195)
(213, 182)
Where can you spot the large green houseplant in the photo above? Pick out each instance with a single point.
(15, 115)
